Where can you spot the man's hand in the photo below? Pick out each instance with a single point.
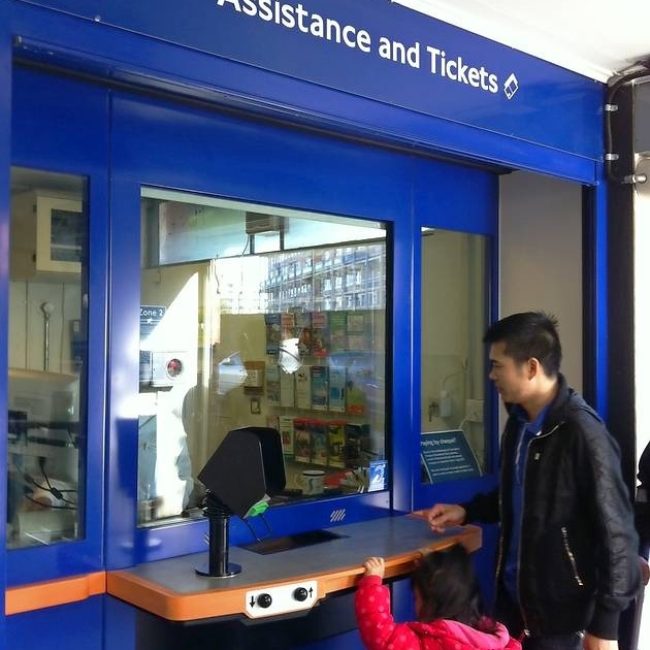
(594, 643)
(645, 570)
(374, 566)
(443, 515)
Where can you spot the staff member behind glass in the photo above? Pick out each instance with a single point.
(567, 563)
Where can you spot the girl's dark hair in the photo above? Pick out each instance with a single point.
(448, 587)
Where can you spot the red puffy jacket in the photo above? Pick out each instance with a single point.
(380, 632)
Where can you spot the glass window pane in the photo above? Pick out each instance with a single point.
(454, 309)
(47, 352)
(256, 316)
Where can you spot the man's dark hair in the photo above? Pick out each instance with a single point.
(529, 334)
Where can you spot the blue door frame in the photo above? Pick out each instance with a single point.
(5, 153)
(60, 144)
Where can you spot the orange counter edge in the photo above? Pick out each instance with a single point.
(40, 595)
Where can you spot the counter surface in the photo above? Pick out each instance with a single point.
(172, 589)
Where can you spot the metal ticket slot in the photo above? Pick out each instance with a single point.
(242, 474)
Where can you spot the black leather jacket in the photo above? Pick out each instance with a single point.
(578, 551)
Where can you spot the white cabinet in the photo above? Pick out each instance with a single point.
(48, 233)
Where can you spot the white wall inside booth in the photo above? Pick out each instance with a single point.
(541, 257)
(454, 295)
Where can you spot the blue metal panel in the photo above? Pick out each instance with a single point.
(74, 627)
(467, 204)
(180, 539)
(481, 217)
(402, 601)
(452, 491)
(349, 641)
(62, 125)
(5, 139)
(200, 151)
(445, 203)
(119, 625)
(404, 431)
(493, 401)
(122, 430)
(544, 91)
(192, 150)
(331, 625)
(115, 54)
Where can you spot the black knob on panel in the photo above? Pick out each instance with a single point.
(300, 594)
(264, 600)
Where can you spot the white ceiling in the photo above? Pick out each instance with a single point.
(593, 37)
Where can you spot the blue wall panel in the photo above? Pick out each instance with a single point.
(439, 199)
(201, 151)
(71, 627)
(330, 625)
(349, 641)
(404, 345)
(119, 625)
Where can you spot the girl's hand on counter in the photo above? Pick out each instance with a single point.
(374, 566)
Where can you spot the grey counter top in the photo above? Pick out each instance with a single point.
(172, 589)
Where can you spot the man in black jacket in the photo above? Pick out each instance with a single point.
(630, 625)
(567, 563)
(642, 509)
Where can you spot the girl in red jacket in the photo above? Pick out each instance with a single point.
(446, 603)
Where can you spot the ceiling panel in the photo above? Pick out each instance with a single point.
(595, 38)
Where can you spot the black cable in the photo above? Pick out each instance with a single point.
(41, 464)
(622, 81)
(55, 492)
(29, 479)
(266, 523)
(48, 505)
(251, 529)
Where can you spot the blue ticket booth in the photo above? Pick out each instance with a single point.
(233, 214)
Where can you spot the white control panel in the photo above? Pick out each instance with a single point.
(281, 599)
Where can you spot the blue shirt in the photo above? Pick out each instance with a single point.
(527, 431)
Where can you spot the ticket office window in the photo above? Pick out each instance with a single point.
(257, 315)
(454, 308)
(47, 353)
